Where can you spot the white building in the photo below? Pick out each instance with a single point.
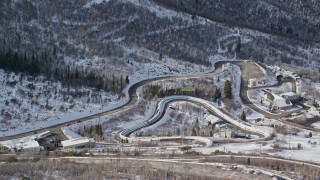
(69, 133)
(277, 102)
(225, 131)
(78, 142)
(29, 143)
(29, 146)
(23, 144)
(281, 103)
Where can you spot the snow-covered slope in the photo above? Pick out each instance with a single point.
(30, 103)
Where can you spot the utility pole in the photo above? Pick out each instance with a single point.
(260, 150)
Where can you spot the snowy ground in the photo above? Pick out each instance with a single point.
(30, 104)
(246, 148)
(288, 147)
(255, 97)
(310, 147)
(233, 73)
(310, 90)
(181, 118)
(230, 72)
(316, 125)
(284, 88)
(268, 79)
(178, 120)
(116, 122)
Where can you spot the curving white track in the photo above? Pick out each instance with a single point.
(160, 110)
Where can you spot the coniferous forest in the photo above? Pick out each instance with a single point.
(69, 76)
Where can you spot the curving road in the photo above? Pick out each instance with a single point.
(247, 73)
(133, 98)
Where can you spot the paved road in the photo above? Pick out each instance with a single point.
(249, 70)
(133, 98)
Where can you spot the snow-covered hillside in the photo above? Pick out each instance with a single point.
(31, 103)
(28, 102)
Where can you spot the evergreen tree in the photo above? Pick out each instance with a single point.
(99, 82)
(98, 130)
(160, 56)
(315, 104)
(34, 66)
(127, 79)
(216, 94)
(194, 132)
(121, 80)
(227, 89)
(238, 47)
(310, 134)
(76, 74)
(243, 116)
(90, 130)
(289, 30)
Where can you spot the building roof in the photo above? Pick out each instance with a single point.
(69, 133)
(188, 89)
(40, 135)
(227, 126)
(29, 144)
(280, 101)
(77, 142)
(26, 143)
(289, 94)
(213, 119)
